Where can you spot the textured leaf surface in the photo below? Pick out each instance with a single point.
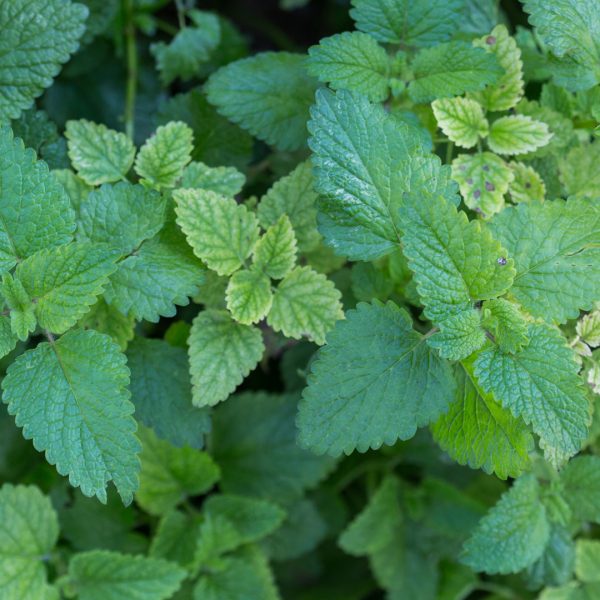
(513, 534)
(248, 296)
(508, 325)
(551, 398)
(35, 212)
(254, 443)
(169, 474)
(461, 119)
(101, 575)
(163, 157)
(122, 215)
(459, 336)
(37, 39)
(581, 479)
(517, 134)
(555, 249)
(527, 186)
(451, 69)
(222, 352)
(28, 532)
(22, 310)
(477, 431)
(227, 181)
(421, 23)
(587, 560)
(268, 94)
(8, 340)
(98, 154)
(275, 252)
(65, 281)
(351, 61)
(71, 398)
(221, 231)
(105, 318)
(162, 394)
(305, 303)
(373, 383)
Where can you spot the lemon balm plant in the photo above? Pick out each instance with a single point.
(317, 321)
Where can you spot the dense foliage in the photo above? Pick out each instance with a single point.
(295, 318)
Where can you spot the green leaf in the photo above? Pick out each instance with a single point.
(162, 394)
(98, 154)
(577, 172)
(254, 443)
(451, 69)
(189, 49)
(360, 195)
(588, 328)
(351, 61)
(22, 310)
(240, 576)
(478, 432)
(71, 398)
(169, 474)
(507, 323)
(554, 246)
(102, 575)
(581, 480)
(35, 212)
(527, 185)
(77, 190)
(275, 251)
(421, 23)
(513, 534)
(162, 273)
(105, 318)
(555, 566)
(459, 336)
(517, 134)
(65, 281)
(161, 160)
(295, 197)
(373, 528)
(8, 340)
(461, 119)
(373, 383)
(508, 90)
(38, 38)
(227, 181)
(222, 352)
(305, 303)
(122, 215)
(455, 262)
(268, 94)
(484, 179)
(248, 296)
(176, 538)
(28, 533)
(587, 560)
(540, 384)
(221, 232)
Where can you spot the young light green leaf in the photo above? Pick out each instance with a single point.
(588, 328)
(275, 251)
(352, 61)
(38, 38)
(65, 281)
(76, 188)
(122, 215)
(222, 352)
(268, 94)
(248, 296)
(527, 185)
(103, 575)
(478, 432)
(581, 480)
(105, 318)
(513, 534)
(577, 172)
(551, 399)
(587, 560)
(8, 340)
(161, 160)
(169, 474)
(28, 533)
(221, 232)
(227, 181)
(22, 310)
(162, 394)
(295, 197)
(422, 23)
(484, 179)
(461, 119)
(71, 398)
(459, 336)
(517, 134)
(44, 217)
(451, 69)
(555, 249)
(507, 91)
(373, 383)
(98, 154)
(305, 303)
(506, 322)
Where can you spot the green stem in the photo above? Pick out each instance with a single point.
(180, 13)
(495, 588)
(132, 68)
(449, 152)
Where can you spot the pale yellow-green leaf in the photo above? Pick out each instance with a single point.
(527, 186)
(249, 296)
(461, 119)
(517, 134)
(275, 251)
(588, 328)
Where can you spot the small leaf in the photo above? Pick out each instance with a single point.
(527, 186)
(507, 323)
(22, 310)
(517, 134)
(581, 480)
(461, 119)
(275, 251)
(459, 336)
(588, 328)
(248, 295)
(587, 560)
(227, 181)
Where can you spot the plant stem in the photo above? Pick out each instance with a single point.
(132, 68)
(449, 152)
(180, 13)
